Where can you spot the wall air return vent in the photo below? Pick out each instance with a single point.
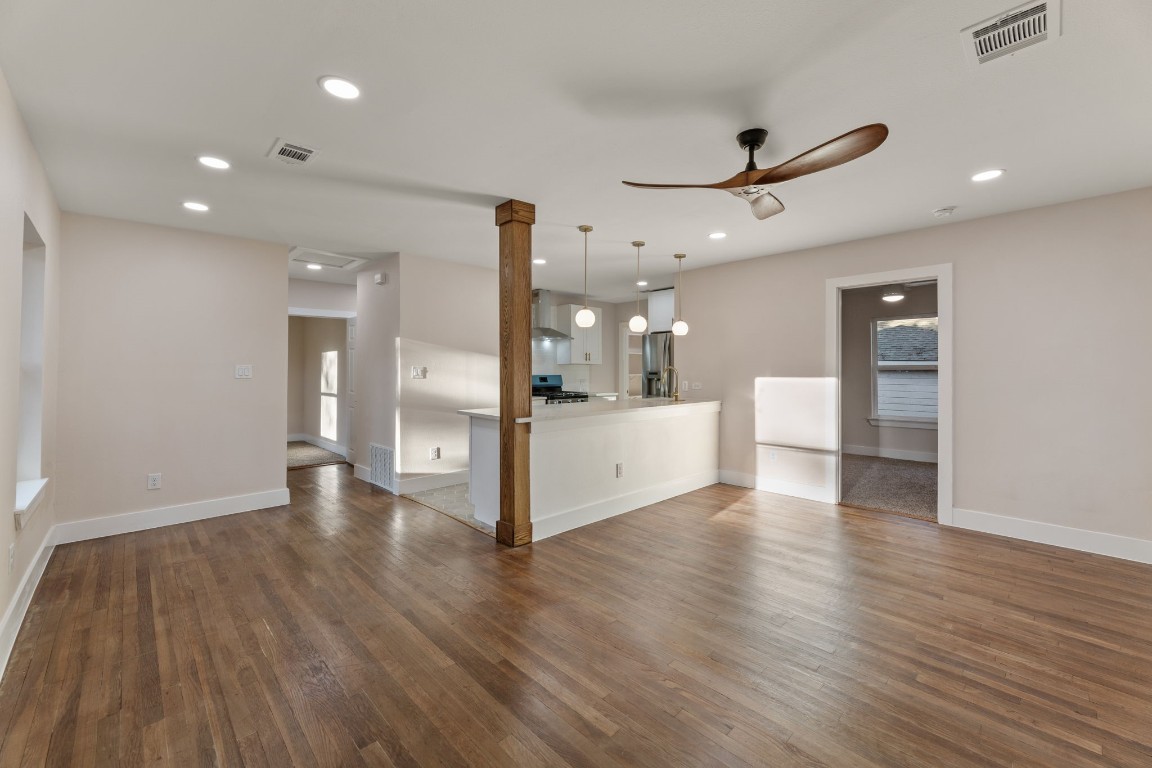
(293, 154)
(1012, 31)
(382, 471)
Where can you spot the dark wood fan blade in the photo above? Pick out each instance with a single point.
(830, 154)
(742, 179)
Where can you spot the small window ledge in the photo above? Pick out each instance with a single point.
(903, 422)
(29, 494)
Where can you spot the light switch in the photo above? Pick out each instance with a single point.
(419, 372)
(244, 371)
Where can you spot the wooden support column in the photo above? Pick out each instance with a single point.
(515, 220)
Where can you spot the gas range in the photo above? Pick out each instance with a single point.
(551, 387)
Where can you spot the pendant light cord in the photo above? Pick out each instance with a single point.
(637, 279)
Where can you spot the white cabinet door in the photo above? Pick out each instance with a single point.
(586, 345)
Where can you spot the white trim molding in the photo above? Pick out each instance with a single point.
(431, 482)
(130, 522)
(338, 314)
(889, 453)
(1110, 544)
(18, 607)
(942, 274)
(319, 442)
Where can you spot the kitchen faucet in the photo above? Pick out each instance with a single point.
(675, 378)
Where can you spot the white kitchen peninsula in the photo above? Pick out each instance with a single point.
(590, 461)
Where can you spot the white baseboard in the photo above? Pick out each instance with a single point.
(320, 442)
(889, 453)
(18, 607)
(783, 487)
(558, 522)
(1124, 547)
(430, 482)
(361, 472)
(130, 522)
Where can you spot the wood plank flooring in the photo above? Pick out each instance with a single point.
(727, 627)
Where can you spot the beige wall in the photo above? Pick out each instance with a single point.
(296, 355)
(1052, 299)
(324, 335)
(858, 308)
(315, 295)
(153, 322)
(24, 190)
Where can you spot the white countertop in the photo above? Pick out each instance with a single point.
(599, 408)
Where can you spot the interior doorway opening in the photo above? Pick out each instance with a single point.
(884, 405)
(889, 398)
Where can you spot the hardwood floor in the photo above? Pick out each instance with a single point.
(725, 627)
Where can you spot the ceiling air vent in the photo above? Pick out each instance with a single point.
(301, 255)
(293, 154)
(1012, 31)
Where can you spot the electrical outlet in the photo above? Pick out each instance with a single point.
(11, 556)
(697, 385)
(620, 469)
(419, 372)
(771, 455)
(154, 481)
(434, 453)
(244, 371)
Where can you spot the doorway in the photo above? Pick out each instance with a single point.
(892, 358)
(320, 376)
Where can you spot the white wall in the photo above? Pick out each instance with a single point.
(315, 295)
(377, 329)
(858, 308)
(153, 322)
(1052, 299)
(24, 190)
(296, 356)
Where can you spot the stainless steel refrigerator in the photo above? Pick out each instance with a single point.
(658, 358)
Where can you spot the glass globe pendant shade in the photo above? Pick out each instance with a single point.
(638, 324)
(585, 318)
(680, 328)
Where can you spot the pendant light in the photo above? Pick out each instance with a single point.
(893, 294)
(585, 318)
(679, 328)
(638, 324)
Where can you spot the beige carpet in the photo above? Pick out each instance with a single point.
(905, 487)
(302, 454)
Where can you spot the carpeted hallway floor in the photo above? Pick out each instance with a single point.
(302, 454)
(892, 485)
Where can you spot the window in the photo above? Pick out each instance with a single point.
(905, 362)
(329, 410)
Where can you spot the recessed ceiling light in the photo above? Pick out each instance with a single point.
(539, 261)
(641, 283)
(339, 87)
(995, 173)
(718, 235)
(315, 266)
(194, 206)
(214, 162)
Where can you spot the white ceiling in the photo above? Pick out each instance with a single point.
(466, 104)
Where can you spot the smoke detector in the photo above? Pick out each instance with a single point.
(291, 153)
(1011, 31)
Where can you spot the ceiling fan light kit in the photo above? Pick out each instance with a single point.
(752, 183)
(585, 318)
(638, 323)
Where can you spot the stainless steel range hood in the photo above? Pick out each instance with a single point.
(542, 317)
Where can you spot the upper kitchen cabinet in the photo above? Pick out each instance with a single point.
(586, 345)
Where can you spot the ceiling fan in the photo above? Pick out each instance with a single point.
(752, 183)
